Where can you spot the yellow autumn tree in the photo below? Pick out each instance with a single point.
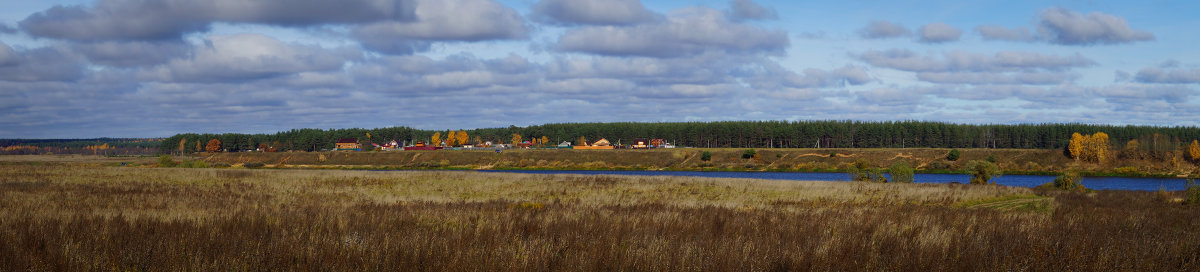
(462, 137)
(516, 139)
(1194, 150)
(1097, 147)
(181, 142)
(452, 138)
(545, 141)
(1076, 145)
(1132, 144)
(436, 139)
(581, 141)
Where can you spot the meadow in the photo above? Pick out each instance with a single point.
(75, 215)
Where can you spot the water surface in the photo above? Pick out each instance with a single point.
(1096, 183)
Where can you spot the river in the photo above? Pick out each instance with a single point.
(1095, 183)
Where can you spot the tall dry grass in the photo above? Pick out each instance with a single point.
(62, 217)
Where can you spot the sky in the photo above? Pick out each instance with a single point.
(154, 68)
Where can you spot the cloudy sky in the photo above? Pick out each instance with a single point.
(149, 68)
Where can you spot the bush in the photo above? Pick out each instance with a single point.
(1193, 192)
(706, 156)
(253, 165)
(901, 172)
(1069, 181)
(778, 155)
(221, 165)
(861, 171)
(166, 161)
(982, 172)
(749, 153)
(991, 158)
(833, 154)
(953, 155)
(194, 164)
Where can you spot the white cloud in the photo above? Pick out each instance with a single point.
(884, 29)
(1062, 26)
(749, 10)
(939, 33)
(444, 20)
(686, 32)
(592, 12)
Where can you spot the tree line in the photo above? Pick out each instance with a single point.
(730, 134)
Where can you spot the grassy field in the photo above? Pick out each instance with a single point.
(78, 216)
(1036, 161)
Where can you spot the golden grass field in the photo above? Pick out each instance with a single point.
(75, 214)
(722, 159)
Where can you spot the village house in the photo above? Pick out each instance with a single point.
(348, 144)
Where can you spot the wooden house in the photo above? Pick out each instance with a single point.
(348, 144)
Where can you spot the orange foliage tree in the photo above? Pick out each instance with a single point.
(436, 139)
(516, 139)
(213, 146)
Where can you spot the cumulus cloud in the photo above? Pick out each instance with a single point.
(749, 10)
(592, 12)
(7, 29)
(884, 29)
(1169, 75)
(773, 76)
(131, 53)
(952, 61)
(1134, 94)
(40, 64)
(452, 20)
(686, 32)
(250, 56)
(1030, 78)
(1062, 26)
(170, 19)
(938, 33)
(994, 32)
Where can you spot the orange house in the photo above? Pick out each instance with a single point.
(349, 144)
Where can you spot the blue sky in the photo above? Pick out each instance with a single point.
(149, 68)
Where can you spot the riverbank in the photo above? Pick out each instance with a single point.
(925, 160)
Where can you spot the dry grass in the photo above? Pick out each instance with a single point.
(67, 217)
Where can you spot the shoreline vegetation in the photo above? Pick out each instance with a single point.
(921, 160)
(78, 213)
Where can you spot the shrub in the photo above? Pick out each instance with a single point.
(253, 165)
(221, 165)
(991, 158)
(982, 172)
(706, 156)
(194, 164)
(1069, 181)
(778, 155)
(861, 171)
(749, 153)
(901, 172)
(833, 154)
(953, 155)
(1193, 192)
(166, 161)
